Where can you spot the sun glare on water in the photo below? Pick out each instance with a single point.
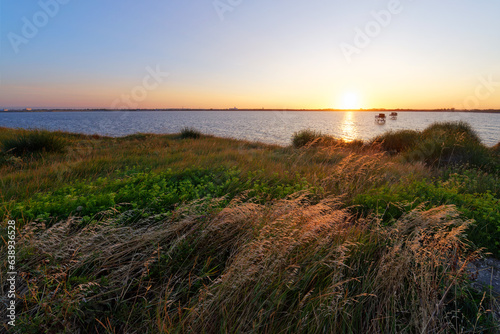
(350, 101)
(348, 127)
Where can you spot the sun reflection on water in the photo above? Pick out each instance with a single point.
(348, 128)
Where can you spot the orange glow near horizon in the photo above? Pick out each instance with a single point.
(319, 96)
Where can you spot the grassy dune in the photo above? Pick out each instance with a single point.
(190, 233)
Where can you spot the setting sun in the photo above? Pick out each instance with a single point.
(350, 101)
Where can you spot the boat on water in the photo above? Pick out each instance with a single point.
(380, 119)
(393, 115)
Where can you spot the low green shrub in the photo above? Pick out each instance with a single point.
(33, 142)
(459, 130)
(137, 136)
(306, 137)
(449, 143)
(315, 138)
(190, 133)
(397, 141)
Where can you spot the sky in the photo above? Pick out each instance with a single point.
(418, 54)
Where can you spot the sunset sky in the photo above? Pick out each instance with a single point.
(250, 54)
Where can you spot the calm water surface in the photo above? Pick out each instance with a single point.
(276, 127)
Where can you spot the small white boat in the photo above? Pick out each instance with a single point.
(393, 115)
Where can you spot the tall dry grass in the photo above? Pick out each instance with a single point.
(314, 268)
(295, 265)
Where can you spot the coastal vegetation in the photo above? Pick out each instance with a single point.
(189, 132)
(190, 233)
(32, 142)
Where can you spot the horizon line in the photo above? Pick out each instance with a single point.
(28, 109)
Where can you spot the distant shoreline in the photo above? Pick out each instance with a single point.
(488, 111)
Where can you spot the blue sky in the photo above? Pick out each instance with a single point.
(274, 54)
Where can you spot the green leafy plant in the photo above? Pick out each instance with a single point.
(391, 201)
